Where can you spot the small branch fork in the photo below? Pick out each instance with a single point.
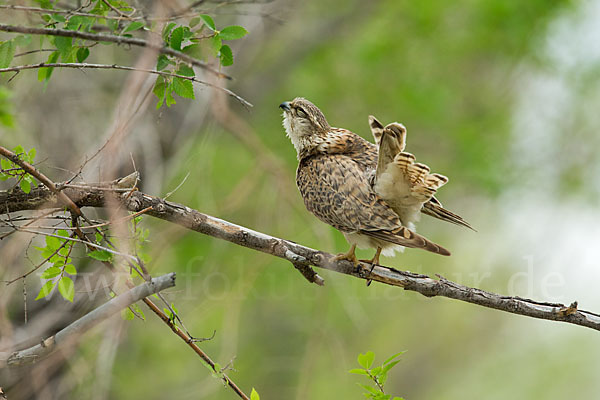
(18, 68)
(303, 257)
(88, 321)
(61, 199)
(100, 37)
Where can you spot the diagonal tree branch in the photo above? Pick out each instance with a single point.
(88, 321)
(301, 255)
(100, 37)
(62, 199)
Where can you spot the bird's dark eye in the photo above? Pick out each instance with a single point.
(300, 112)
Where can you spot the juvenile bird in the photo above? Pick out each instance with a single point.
(373, 194)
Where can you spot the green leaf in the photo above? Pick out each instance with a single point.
(134, 26)
(169, 314)
(66, 288)
(162, 62)
(194, 50)
(58, 17)
(22, 40)
(226, 56)
(45, 290)
(366, 360)
(169, 97)
(101, 255)
(159, 91)
(74, 23)
(52, 243)
(70, 269)
(389, 366)
(127, 314)
(5, 163)
(183, 87)
(208, 21)
(194, 21)
(25, 186)
(167, 29)
(47, 4)
(185, 71)
(64, 45)
(187, 33)
(138, 310)
(7, 52)
(368, 388)
(45, 73)
(254, 395)
(176, 38)
(394, 356)
(215, 44)
(358, 371)
(233, 32)
(112, 24)
(32, 153)
(51, 272)
(82, 54)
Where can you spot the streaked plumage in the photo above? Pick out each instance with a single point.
(372, 195)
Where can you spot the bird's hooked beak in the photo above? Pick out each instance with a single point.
(285, 106)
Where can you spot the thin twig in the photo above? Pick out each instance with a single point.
(117, 221)
(99, 37)
(178, 186)
(36, 267)
(123, 17)
(75, 212)
(126, 68)
(91, 319)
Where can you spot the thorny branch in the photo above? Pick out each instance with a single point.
(304, 256)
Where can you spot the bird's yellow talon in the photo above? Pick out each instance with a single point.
(349, 256)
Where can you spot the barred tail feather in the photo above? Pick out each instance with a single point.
(434, 208)
(407, 238)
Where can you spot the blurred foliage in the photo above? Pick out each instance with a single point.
(441, 68)
(450, 72)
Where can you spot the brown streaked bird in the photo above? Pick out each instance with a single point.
(373, 194)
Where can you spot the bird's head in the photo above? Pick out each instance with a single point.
(304, 123)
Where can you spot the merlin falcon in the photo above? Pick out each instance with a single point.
(372, 193)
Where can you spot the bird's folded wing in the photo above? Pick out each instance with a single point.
(338, 192)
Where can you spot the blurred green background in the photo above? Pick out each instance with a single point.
(501, 97)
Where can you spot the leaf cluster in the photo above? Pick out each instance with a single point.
(376, 374)
(57, 252)
(198, 38)
(10, 170)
